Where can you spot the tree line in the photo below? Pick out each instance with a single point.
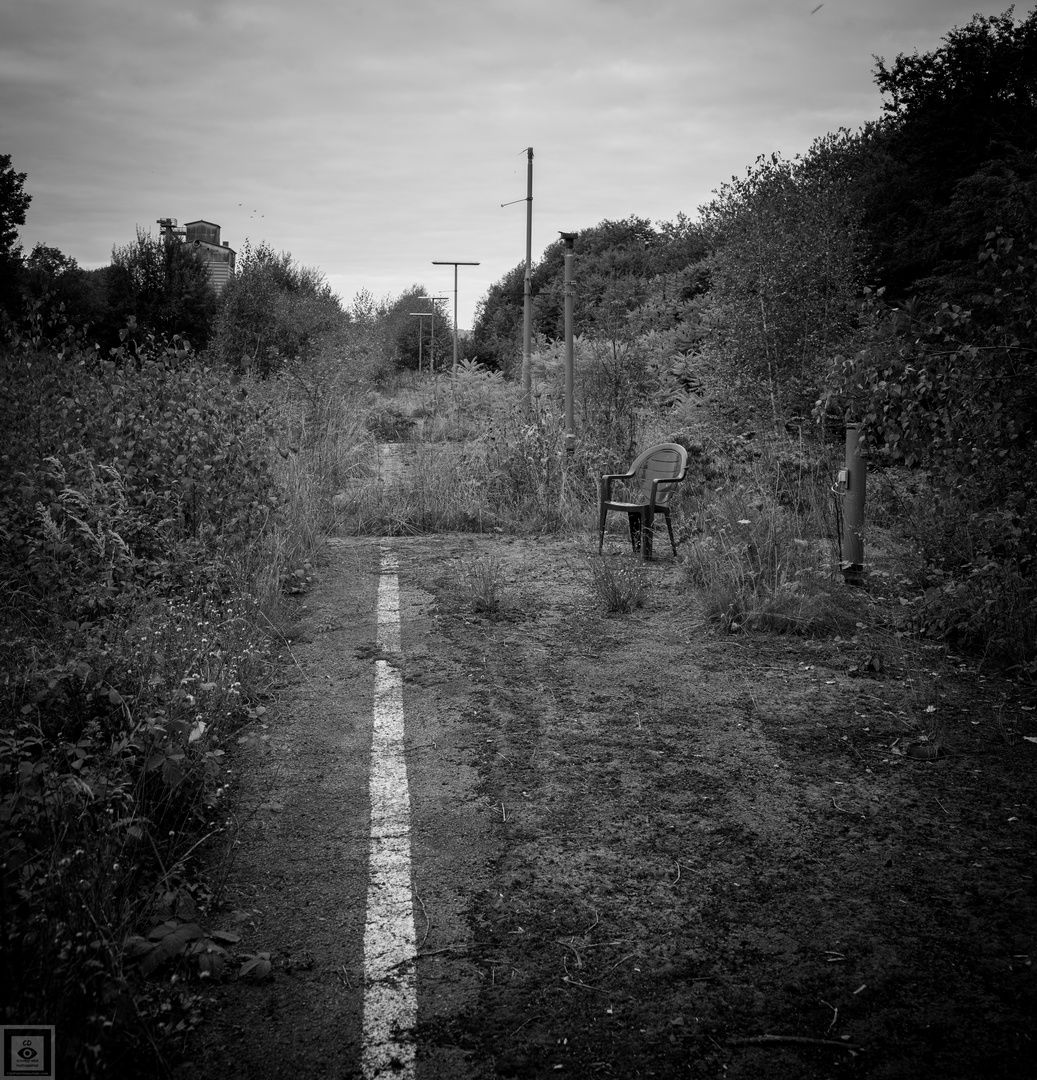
(272, 313)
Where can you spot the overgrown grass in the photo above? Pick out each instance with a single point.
(756, 516)
(510, 470)
(766, 555)
(481, 458)
(152, 518)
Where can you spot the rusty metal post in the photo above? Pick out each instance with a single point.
(855, 478)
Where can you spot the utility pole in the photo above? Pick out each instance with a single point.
(568, 294)
(455, 263)
(527, 288)
(527, 283)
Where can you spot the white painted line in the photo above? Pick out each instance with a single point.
(390, 939)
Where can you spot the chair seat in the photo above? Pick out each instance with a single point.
(634, 507)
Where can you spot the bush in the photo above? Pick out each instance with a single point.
(765, 556)
(786, 271)
(272, 313)
(134, 507)
(948, 392)
(991, 610)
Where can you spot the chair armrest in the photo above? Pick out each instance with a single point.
(668, 480)
(605, 486)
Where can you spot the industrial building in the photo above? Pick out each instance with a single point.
(204, 237)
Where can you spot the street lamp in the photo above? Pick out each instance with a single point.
(432, 344)
(421, 315)
(455, 264)
(568, 293)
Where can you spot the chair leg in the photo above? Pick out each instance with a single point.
(669, 529)
(647, 525)
(636, 532)
(602, 514)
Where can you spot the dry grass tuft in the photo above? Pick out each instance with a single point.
(620, 586)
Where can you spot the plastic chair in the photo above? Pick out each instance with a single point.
(650, 483)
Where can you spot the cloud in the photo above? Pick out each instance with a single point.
(369, 138)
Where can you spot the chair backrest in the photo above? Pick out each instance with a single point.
(664, 461)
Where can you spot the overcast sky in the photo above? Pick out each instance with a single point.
(370, 137)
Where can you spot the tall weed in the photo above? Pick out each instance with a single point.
(502, 465)
(765, 553)
(143, 503)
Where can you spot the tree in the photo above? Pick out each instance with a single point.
(164, 285)
(13, 204)
(272, 311)
(498, 329)
(786, 270)
(955, 156)
(954, 390)
(406, 339)
(54, 282)
(620, 267)
(613, 263)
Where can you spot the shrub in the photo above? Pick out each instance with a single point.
(764, 553)
(133, 507)
(948, 391)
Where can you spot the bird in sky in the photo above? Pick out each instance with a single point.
(817, 9)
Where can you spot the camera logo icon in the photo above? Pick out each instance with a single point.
(28, 1051)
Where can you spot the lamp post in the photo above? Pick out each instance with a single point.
(568, 294)
(455, 263)
(420, 315)
(432, 343)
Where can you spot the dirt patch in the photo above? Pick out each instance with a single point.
(711, 839)
(700, 854)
